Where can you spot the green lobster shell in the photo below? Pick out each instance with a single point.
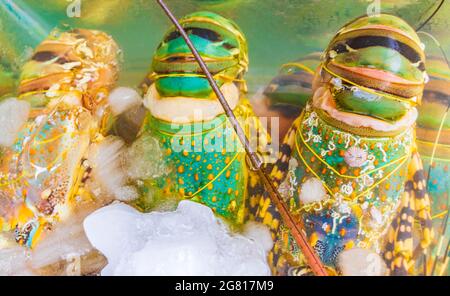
(207, 161)
(206, 158)
(344, 177)
(436, 96)
(66, 83)
(220, 43)
(292, 86)
(80, 60)
(378, 65)
(287, 93)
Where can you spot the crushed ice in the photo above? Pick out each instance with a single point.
(188, 241)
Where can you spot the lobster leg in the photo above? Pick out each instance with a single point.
(415, 203)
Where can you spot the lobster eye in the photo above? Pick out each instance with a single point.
(204, 33)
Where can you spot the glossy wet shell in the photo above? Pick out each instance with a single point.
(435, 155)
(293, 85)
(220, 43)
(44, 169)
(207, 161)
(436, 96)
(439, 190)
(398, 25)
(43, 173)
(80, 60)
(358, 53)
(363, 178)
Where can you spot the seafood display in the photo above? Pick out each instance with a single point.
(200, 146)
(349, 165)
(49, 130)
(224, 138)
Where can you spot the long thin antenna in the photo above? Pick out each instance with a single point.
(312, 259)
(445, 259)
(441, 241)
(431, 16)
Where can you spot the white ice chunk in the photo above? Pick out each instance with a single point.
(13, 261)
(63, 250)
(259, 233)
(361, 262)
(122, 99)
(106, 161)
(188, 241)
(13, 115)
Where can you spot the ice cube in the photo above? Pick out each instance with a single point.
(187, 241)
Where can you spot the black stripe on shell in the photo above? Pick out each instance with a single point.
(200, 32)
(44, 56)
(369, 41)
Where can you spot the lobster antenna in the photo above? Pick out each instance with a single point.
(441, 241)
(445, 259)
(431, 16)
(311, 257)
(438, 45)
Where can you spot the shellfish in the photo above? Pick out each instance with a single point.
(356, 135)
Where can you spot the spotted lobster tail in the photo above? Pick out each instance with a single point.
(277, 174)
(281, 167)
(255, 194)
(414, 204)
(266, 212)
(258, 134)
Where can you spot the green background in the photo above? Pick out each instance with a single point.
(278, 31)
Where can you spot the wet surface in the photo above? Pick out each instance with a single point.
(277, 31)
